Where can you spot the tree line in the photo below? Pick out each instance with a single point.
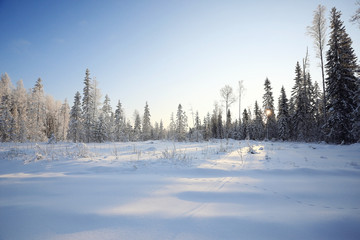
(309, 114)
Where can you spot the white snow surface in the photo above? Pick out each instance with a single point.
(166, 190)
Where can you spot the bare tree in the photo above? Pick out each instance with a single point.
(356, 17)
(318, 32)
(228, 96)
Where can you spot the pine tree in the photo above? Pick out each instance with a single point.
(75, 123)
(137, 126)
(220, 127)
(6, 117)
(283, 116)
(20, 100)
(318, 112)
(269, 109)
(172, 127)
(146, 125)
(258, 129)
(120, 124)
(245, 125)
(340, 82)
(88, 109)
(161, 130)
(64, 120)
(181, 124)
(198, 130)
(37, 113)
(228, 124)
(108, 121)
(100, 129)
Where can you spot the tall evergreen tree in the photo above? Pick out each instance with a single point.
(120, 124)
(341, 82)
(258, 124)
(269, 109)
(137, 126)
(108, 121)
(88, 109)
(37, 112)
(181, 124)
(245, 125)
(6, 117)
(75, 123)
(283, 116)
(146, 125)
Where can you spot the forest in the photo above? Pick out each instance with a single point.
(312, 113)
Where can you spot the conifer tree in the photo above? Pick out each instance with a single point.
(340, 82)
(119, 122)
(161, 130)
(228, 124)
(146, 125)
(64, 120)
(269, 109)
(37, 113)
(283, 116)
(137, 126)
(75, 123)
(181, 124)
(6, 117)
(245, 125)
(88, 109)
(258, 125)
(20, 100)
(107, 119)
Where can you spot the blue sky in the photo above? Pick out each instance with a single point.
(163, 52)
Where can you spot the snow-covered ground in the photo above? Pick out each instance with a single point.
(166, 190)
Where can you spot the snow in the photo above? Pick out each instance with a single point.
(172, 190)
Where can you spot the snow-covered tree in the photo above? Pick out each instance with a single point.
(161, 130)
(181, 124)
(269, 109)
(75, 123)
(146, 124)
(245, 125)
(283, 116)
(120, 124)
(137, 126)
(64, 120)
(20, 99)
(88, 107)
(100, 129)
(341, 82)
(258, 124)
(108, 120)
(37, 113)
(6, 117)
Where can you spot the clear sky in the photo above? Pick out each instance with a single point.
(163, 52)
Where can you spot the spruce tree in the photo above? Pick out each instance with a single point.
(258, 124)
(108, 119)
(245, 125)
(283, 116)
(75, 123)
(181, 124)
(269, 110)
(340, 82)
(119, 123)
(137, 127)
(146, 126)
(88, 109)
(37, 112)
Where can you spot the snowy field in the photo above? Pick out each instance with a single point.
(166, 190)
